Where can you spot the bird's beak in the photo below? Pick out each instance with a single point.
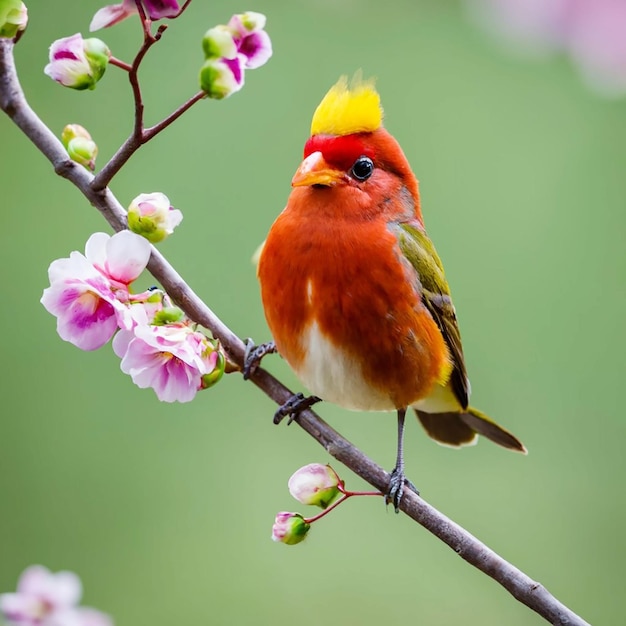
(315, 171)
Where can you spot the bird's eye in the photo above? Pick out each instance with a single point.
(362, 168)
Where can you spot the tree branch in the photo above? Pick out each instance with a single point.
(526, 590)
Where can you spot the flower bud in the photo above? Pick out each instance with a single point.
(289, 528)
(218, 42)
(13, 18)
(78, 63)
(220, 78)
(151, 216)
(314, 484)
(98, 55)
(168, 315)
(79, 145)
(212, 378)
(248, 22)
(253, 43)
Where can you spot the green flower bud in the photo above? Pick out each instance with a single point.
(218, 42)
(98, 55)
(13, 18)
(168, 315)
(212, 378)
(219, 78)
(289, 528)
(151, 216)
(79, 145)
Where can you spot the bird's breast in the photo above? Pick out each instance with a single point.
(345, 312)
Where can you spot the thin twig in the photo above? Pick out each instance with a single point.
(526, 590)
(140, 135)
(183, 8)
(149, 133)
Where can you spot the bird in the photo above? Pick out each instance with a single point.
(354, 293)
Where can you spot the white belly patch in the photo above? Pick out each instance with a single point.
(337, 377)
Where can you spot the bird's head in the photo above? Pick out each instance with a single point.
(351, 163)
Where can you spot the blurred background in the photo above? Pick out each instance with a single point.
(516, 131)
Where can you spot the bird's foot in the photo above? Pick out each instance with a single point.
(397, 483)
(298, 402)
(254, 355)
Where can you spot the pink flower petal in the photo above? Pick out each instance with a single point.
(20, 608)
(95, 249)
(256, 48)
(112, 14)
(127, 256)
(120, 343)
(158, 9)
(121, 257)
(93, 617)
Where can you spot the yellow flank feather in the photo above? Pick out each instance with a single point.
(348, 109)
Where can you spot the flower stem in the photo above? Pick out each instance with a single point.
(121, 64)
(345, 496)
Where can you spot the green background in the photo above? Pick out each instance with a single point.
(165, 510)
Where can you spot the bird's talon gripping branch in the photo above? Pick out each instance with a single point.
(254, 355)
(298, 402)
(395, 492)
(411, 486)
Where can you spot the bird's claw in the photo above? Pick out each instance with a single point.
(397, 484)
(298, 402)
(254, 355)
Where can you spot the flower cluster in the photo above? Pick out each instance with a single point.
(91, 297)
(114, 13)
(231, 49)
(317, 485)
(47, 599)
(78, 63)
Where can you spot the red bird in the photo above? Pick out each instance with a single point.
(353, 290)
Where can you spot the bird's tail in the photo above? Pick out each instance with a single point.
(461, 429)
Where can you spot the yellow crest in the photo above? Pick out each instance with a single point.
(348, 109)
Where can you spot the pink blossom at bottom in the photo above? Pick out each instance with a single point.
(46, 599)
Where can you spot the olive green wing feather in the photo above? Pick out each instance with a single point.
(418, 249)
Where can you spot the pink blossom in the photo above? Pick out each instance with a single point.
(88, 311)
(591, 32)
(171, 359)
(47, 599)
(89, 294)
(114, 13)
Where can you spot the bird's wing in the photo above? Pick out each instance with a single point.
(418, 249)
